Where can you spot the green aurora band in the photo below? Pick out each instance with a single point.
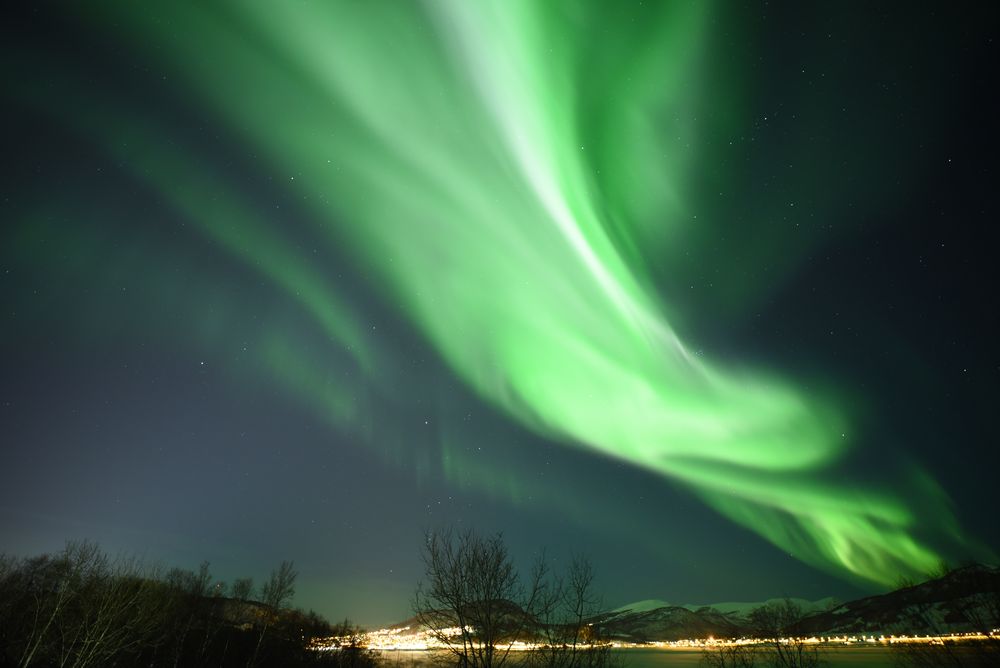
(501, 169)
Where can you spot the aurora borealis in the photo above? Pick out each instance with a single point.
(649, 281)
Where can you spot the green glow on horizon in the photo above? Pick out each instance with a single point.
(498, 178)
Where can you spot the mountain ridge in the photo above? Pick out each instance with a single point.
(962, 600)
(729, 607)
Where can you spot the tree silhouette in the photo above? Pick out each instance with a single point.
(477, 605)
(779, 624)
(275, 594)
(473, 600)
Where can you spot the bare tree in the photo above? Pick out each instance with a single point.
(115, 615)
(78, 608)
(586, 648)
(275, 594)
(279, 589)
(473, 600)
(49, 587)
(729, 655)
(566, 638)
(780, 626)
(242, 589)
(191, 611)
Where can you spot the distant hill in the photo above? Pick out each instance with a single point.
(965, 599)
(669, 622)
(644, 606)
(653, 619)
(738, 608)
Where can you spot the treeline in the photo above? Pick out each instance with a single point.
(81, 607)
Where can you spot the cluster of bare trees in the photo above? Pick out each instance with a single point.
(777, 626)
(77, 608)
(80, 607)
(565, 637)
(476, 603)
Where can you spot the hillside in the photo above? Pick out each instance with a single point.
(965, 599)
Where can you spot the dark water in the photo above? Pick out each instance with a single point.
(835, 657)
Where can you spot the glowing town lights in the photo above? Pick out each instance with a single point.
(409, 639)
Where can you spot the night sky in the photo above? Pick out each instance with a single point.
(705, 291)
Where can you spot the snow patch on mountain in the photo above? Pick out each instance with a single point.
(739, 608)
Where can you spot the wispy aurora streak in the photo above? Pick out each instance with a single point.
(497, 166)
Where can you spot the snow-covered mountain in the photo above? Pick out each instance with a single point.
(740, 608)
(966, 599)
